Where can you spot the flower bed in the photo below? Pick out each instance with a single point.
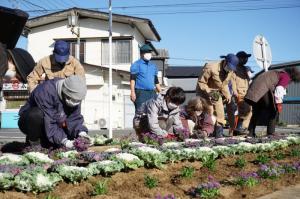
(48, 172)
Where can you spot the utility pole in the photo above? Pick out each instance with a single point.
(110, 134)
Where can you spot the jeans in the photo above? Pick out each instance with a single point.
(142, 96)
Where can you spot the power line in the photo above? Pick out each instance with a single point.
(214, 11)
(35, 5)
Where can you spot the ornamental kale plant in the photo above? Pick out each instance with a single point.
(210, 163)
(150, 182)
(248, 179)
(100, 188)
(240, 162)
(187, 172)
(262, 159)
(81, 143)
(210, 189)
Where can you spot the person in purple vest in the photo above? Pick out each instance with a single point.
(52, 114)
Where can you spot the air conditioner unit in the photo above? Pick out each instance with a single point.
(103, 123)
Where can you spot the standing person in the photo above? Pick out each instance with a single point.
(143, 78)
(52, 114)
(212, 85)
(261, 96)
(239, 87)
(196, 116)
(160, 115)
(60, 64)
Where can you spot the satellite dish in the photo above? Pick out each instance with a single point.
(262, 52)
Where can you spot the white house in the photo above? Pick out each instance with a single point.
(129, 33)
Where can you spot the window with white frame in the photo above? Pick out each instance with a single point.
(81, 50)
(121, 51)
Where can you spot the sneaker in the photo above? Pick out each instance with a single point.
(240, 131)
(218, 132)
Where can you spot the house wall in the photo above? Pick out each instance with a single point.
(95, 107)
(41, 39)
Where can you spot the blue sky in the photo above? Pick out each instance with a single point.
(211, 30)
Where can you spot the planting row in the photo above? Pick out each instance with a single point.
(37, 172)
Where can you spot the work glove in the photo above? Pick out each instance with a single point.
(85, 135)
(69, 144)
(214, 95)
(170, 136)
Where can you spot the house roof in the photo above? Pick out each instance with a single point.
(280, 66)
(105, 68)
(144, 25)
(183, 71)
(285, 64)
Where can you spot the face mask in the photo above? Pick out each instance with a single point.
(227, 69)
(61, 64)
(172, 106)
(249, 74)
(147, 56)
(198, 113)
(9, 74)
(71, 103)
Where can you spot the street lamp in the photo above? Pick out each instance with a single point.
(72, 22)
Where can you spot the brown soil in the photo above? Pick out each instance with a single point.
(130, 185)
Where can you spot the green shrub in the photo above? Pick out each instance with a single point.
(150, 182)
(100, 188)
(187, 172)
(262, 159)
(210, 163)
(240, 162)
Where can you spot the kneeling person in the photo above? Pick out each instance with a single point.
(197, 117)
(52, 114)
(160, 115)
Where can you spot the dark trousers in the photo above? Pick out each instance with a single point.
(31, 123)
(142, 96)
(265, 110)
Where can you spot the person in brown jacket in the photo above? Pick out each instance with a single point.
(59, 64)
(212, 85)
(261, 97)
(239, 87)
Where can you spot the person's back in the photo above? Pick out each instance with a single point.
(52, 114)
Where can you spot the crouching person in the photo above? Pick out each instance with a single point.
(160, 115)
(52, 115)
(197, 117)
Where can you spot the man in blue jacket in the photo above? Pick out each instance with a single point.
(52, 114)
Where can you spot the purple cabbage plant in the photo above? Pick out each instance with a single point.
(91, 156)
(81, 144)
(152, 139)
